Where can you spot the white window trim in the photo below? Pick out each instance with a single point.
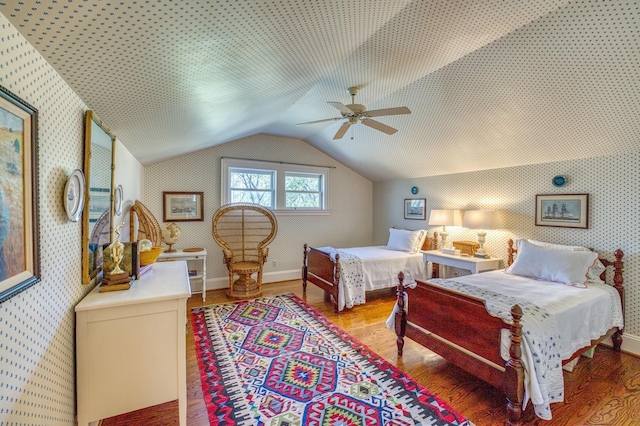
(280, 169)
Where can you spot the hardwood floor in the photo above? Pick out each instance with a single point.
(604, 390)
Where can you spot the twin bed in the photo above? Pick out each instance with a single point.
(512, 328)
(347, 274)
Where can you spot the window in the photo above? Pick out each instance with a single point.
(303, 190)
(285, 188)
(252, 186)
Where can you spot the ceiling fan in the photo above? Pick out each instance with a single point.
(357, 113)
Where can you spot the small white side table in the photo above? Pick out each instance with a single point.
(470, 263)
(180, 254)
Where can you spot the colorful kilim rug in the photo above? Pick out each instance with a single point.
(277, 361)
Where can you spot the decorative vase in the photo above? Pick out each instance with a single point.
(170, 235)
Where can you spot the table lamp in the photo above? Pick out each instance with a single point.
(481, 220)
(444, 218)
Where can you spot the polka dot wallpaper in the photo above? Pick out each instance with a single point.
(348, 224)
(614, 209)
(37, 326)
(37, 366)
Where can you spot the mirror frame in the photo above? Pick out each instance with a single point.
(90, 118)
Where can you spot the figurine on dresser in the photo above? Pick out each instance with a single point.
(116, 279)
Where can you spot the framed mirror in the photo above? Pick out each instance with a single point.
(99, 166)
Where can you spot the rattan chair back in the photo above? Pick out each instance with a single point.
(244, 229)
(148, 226)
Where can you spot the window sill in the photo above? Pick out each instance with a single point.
(291, 212)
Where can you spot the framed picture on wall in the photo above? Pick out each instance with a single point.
(415, 208)
(562, 210)
(19, 242)
(182, 206)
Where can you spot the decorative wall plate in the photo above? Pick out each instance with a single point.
(414, 190)
(559, 181)
(118, 198)
(74, 195)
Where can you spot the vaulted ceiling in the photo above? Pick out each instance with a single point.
(490, 83)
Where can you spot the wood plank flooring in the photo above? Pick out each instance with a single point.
(604, 390)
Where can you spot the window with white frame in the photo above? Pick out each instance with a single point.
(252, 186)
(283, 187)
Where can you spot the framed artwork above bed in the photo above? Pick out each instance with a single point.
(562, 210)
(415, 208)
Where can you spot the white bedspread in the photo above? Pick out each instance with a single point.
(378, 269)
(573, 315)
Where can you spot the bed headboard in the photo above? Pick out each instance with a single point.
(617, 266)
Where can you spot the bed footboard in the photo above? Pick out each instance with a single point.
(318, 268)
(459, 328)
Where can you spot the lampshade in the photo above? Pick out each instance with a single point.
(481, 219)
(444, 218)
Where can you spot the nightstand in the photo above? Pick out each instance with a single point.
(200, 274)
(470, 263)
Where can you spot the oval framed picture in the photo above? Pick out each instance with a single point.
(74, 195)
(118, 198)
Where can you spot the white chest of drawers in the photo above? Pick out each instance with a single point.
(130, 345)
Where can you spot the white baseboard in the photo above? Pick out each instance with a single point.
(270, 277)
(630, 344)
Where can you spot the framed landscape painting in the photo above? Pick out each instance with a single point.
(415, 208)
(562, 210)
(182, 206)
(19, 245)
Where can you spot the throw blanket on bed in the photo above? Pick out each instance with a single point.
(352, 290)
(540, 344)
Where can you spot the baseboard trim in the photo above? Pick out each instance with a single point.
(270, 277)
(630, 344)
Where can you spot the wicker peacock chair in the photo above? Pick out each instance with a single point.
(148, 226)
(244, 230)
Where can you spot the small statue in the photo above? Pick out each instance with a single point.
(116, 250)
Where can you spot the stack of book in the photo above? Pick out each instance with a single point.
(115, 282)
(143, 270)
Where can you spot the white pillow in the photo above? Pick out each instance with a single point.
(552, 264)
(403, 240)
(593, 274)
(423, 237)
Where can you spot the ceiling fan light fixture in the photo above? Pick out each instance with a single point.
(355, 113)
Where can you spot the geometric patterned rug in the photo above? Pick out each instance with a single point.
(277, 361)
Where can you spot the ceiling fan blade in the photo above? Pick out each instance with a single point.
(341, 107)
(379, 126)
(342, 130)
(320, 121)
(387, 111)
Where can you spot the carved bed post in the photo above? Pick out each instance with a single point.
(304, 268)
(401, 315)
(618, 264)
(514, 371)
(510, 252)
(435, 267)
(336, 284)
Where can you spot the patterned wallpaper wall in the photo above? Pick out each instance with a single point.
(614, 209)
(37, 332)
(351, 196)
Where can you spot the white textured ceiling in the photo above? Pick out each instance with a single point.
(490, 83)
